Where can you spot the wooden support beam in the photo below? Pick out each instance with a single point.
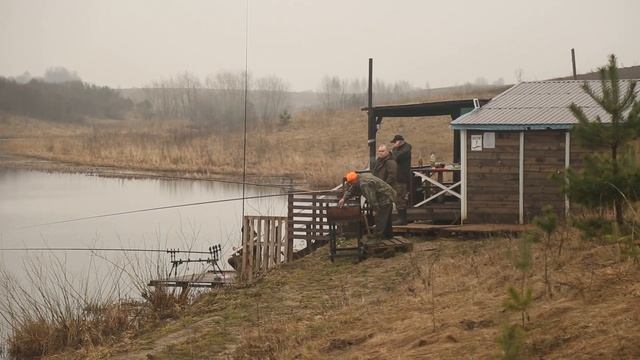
(567, 164)
(521, 181)
(463, 176)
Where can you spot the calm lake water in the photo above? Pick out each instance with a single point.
(29, 198)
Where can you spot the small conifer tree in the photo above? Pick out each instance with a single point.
(520, 300)
(512, 337)
(285, 118)
(606, 178)
(511, 342)
(547, 222)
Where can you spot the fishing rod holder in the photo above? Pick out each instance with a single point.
(213, 259)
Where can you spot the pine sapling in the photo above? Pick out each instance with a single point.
(548, 223)
(511, 342)
(522, 261)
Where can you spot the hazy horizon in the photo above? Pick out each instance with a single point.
(127, 44)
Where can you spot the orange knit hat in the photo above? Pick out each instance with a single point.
(351, 177)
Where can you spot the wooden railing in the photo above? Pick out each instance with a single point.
(265, 245)
(307, 217)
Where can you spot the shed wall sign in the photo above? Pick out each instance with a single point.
(489, 140)
(476, 142)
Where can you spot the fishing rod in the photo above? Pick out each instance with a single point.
(171, 207)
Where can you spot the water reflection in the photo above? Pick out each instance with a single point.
(31, 197)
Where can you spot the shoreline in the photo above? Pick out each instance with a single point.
(34, 163)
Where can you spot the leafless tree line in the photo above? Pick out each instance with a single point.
(218, 100)
(337, 94)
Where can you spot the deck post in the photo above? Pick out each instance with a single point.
(258, 245)
(463, 175)
(251, 253)
(567, 164)
(274, 245)
(521, 181)
(289, 224)
(285, 224)
(267, 246)
(245, 249)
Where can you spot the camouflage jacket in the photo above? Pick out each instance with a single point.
(386, 169)
(375, 190)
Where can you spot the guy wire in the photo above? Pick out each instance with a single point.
(172, 207)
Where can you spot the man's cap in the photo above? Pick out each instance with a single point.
(397, 137)
(351, 177)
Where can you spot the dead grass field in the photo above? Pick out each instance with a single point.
(384, 309)
(316, 148)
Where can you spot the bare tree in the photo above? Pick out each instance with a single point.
(271, 97)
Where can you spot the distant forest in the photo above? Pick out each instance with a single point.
(64, 101)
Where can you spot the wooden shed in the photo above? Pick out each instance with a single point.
(512, 146)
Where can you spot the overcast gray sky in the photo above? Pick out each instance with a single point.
(129, 43)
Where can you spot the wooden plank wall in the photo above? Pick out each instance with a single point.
(544, 157)
(492, 180)
(492, 177)
(577, 154)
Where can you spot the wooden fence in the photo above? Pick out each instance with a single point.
(265, 244)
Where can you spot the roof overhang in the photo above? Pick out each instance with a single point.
(454, 108)
(511, 127)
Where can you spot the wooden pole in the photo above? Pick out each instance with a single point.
(573, 63)
(371, 140)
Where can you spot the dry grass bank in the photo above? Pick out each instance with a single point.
(316, 147)
(52, 311)
(435, 305)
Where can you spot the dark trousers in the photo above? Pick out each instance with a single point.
(383, 221)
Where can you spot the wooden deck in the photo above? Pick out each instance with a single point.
(435, 212)
(466, 229)
(208, 279)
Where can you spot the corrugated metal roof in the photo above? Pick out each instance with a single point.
(537, 104)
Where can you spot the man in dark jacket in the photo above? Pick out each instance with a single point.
(385, 167)
(402, 155)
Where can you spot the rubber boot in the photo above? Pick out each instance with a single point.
(403, 217)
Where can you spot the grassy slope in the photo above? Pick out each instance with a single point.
(382, 308)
